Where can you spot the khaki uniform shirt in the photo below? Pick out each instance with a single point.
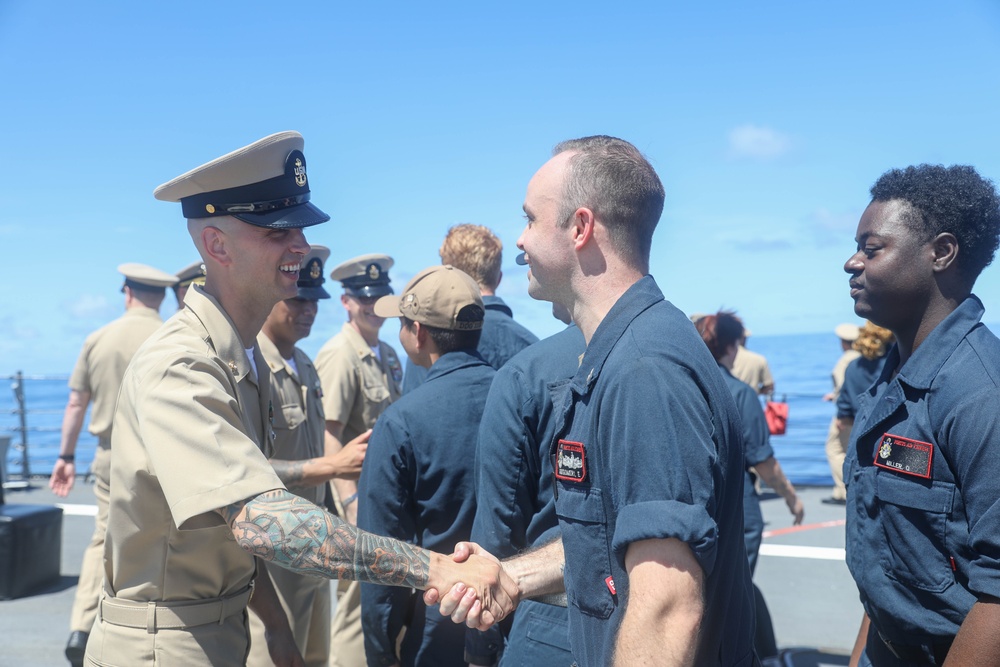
(751, 368)
(103, 361)
(186, 441)
(838, 370)
(299, 423)
(357, 387)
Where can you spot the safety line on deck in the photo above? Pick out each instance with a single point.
(808, 526)
(789, 551)
(78, 510)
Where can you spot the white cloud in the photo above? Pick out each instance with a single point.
(756, 142)
(89, 306)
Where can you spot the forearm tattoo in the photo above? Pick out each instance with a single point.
(291, 473)
(292, 532)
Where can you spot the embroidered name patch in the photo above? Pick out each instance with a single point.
(910, 457)
(571, 461)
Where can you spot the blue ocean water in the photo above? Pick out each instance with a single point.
(800, 363)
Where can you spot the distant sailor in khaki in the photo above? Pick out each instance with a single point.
(192, 273)
(361, 376)
(299, 456)
(194, 500)
(96, 378)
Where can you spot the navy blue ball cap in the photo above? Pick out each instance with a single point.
(264, 184)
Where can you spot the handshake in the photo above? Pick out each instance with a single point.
(474, 588)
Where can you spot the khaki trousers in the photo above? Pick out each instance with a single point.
(88, 590)
(306, 601)
(836, 452)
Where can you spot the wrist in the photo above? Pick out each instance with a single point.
(346, 502)
(67, 458)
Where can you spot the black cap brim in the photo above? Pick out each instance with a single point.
(292, 217)
(369, 291)
(312, 293)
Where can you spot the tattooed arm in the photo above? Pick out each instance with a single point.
(344, 464)
(291, 532)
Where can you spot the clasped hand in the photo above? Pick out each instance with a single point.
(482, 593)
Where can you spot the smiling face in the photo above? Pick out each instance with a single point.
(546, 243)
(267, 260)
(290, 321)
(892, 277)
(361, 315)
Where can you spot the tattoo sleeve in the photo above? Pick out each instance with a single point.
(291, 532)
(291, 473)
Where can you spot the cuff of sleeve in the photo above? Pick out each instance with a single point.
(663, 519)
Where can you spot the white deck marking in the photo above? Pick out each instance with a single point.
(78, 510)
(789, 551)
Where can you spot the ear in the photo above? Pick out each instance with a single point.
(582, 226)
(421, 336)
(499, 278)
(343, 300)
(945, 248)
(214, 241)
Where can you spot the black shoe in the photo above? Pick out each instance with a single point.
(834, 501)
(76, 647)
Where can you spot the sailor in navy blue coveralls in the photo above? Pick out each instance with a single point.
(515, 507)
(417, 485)
(650, 449)
(923, 476)
(923, 465)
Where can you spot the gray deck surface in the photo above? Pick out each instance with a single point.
(813, 601)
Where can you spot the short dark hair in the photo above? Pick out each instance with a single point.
(953, 199)
(614, 180)
(720, 331)
(449, 340)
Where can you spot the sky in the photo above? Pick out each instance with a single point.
(767, 122)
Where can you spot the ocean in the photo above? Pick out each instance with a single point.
(800, 363)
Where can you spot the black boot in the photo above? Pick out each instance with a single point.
(76, 647)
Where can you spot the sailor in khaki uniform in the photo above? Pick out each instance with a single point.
(192, 273)
(298, 456)
(96, 378)
(751, 368)
(361, 376)
(193, 497)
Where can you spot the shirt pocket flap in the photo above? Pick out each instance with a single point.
(583, 506)
(939, 497)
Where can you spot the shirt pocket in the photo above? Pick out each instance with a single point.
(374, 395)
(914, 521)
(289, 417)
(586, 521)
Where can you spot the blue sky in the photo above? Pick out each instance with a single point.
(767, 122)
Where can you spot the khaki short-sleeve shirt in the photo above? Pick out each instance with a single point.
(752, 368)
(357, 387)
(103, 360)
(299, 423)
(190, 428)
(841, 367)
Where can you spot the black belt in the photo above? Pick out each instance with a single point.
(919, 655)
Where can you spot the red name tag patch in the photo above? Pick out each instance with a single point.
(904, 455)
(571, 461)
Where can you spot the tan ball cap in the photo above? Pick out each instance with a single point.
(438, 296)
(264, 184)
(145, 277)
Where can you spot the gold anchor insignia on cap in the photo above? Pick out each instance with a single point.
(209, 208)
(374, 272)
(300, 172)
(314, 270)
